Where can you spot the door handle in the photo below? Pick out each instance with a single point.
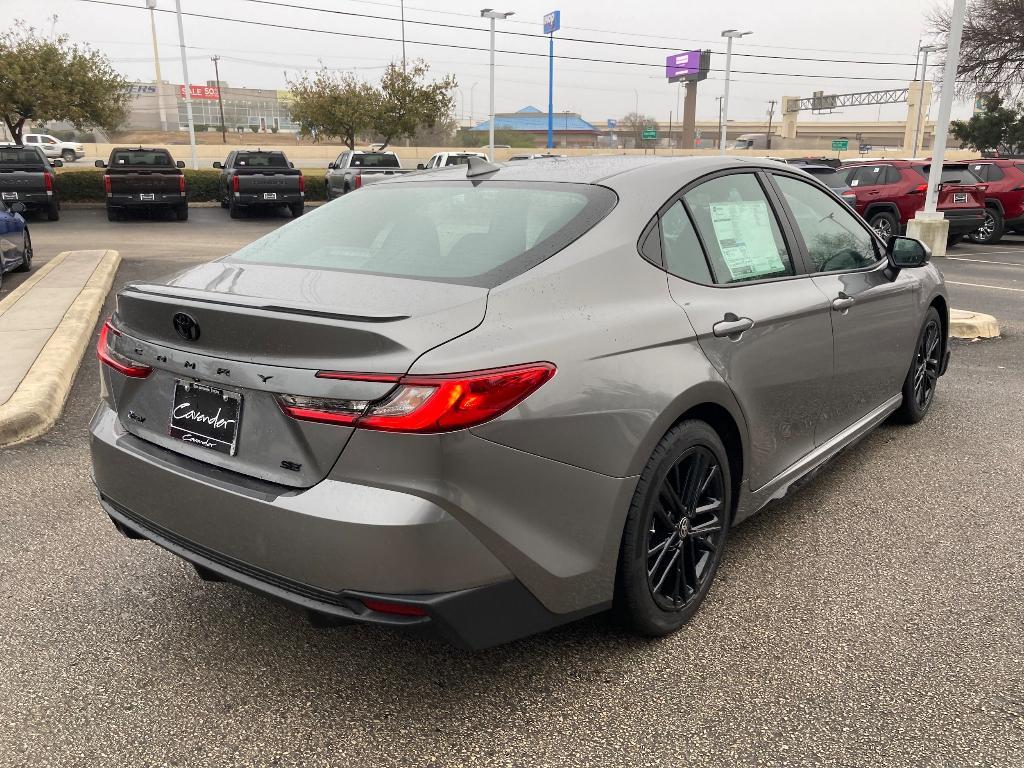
(732, 326)
(842, 302)
(874, 191)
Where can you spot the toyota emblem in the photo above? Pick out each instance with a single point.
(186, 326)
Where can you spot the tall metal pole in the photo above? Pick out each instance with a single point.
(956, 28)
(679, 92)
(403, 35)
(472, 114)
(551, 89)
(920, 98)
(220, 99)
(771, 114)
(156, 64)
(729, 35)
(188, 88)
(490, 139)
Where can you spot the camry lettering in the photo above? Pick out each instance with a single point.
(186, 412)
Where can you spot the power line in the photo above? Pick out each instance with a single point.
(456, 46)
(561, 38)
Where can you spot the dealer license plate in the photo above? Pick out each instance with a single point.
(270, 195)
(206, 416)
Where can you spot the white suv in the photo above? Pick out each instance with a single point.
(68, 151)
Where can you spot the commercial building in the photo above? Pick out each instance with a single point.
(569, 129)
(161, 106)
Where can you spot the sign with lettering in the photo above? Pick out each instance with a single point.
(200, 92)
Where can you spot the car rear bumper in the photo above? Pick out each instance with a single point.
(323, 549)
(116, 200)
(257, 198)
(963, 221)
(31, 199)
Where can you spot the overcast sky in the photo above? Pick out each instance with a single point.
(884, 32)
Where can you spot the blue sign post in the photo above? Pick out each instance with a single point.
(552, 22)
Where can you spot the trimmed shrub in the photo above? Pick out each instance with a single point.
(203, 186)
(254, 128)
(315, 189)
(80, 186)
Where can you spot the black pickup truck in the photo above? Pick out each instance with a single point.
(26, 176)
(144, 178)
(250, 178)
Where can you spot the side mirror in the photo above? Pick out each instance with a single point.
(179, 164)
(420, 166)
(100, 164)
(291, 165)
(18, 208)
(331, 166)
(57, 163)
(906, 253)
(218, 164)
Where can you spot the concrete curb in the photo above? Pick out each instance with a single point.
(964, 324)
(39, 400)
(12, 298)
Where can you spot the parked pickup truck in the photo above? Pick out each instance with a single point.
(445, 159)
(356, 168)
(251, 178)
(143, 178)
(26, 176)
(68, 151)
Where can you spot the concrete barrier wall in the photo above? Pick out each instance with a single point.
(318, 156)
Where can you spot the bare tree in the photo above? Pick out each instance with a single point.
(992, 49)
(634, 124)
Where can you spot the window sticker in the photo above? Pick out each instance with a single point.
(745, 239)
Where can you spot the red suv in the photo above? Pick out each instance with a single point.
(1004, 197)
(890, 192)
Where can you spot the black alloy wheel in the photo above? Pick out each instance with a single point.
(26, 261)
(676, 530)
(682, 546)
(923, 376)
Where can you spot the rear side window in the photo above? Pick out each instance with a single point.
(739, 229)
(681, 249)
(827, 177)
(951, 174)
(25, 157)
(481, 233)
(261, 160)
(141, 157)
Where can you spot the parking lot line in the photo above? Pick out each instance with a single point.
(993, 287)
(989, 253)
(984, 261)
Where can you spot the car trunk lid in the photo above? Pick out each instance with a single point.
(261, 331)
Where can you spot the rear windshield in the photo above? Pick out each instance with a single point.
(827, 176)
(375, 160)
(261, 160)
(153, 158)
(951, 174)
(479, 233)
(20, 156)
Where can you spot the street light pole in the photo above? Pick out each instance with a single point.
(729, 35)
(925, 49)
(151, 4)
(403, 34)
(489, 13)
(188, 88)
(956, 28)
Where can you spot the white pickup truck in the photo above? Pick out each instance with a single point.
(68, 151)
(444, 159)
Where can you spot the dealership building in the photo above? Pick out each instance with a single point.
(161, 106)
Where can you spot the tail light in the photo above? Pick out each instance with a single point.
(234, 184)
(48, 181)
(302, 183)
(425, 404)
(106, 182)
(920, 189)
(358, 182)
(108, 356)
(181, 184)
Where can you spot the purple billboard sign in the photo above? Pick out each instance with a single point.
(685, 65)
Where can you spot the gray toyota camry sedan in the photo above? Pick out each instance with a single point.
(487, 400)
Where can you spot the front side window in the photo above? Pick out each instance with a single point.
(448, 231)
(739, 229)
(835, 240)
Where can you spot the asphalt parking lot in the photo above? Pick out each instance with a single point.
(873, 618)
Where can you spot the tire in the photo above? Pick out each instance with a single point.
(655, 596)
(53, 212)
(235, 211)
(26, 263)
(223, 203)
(181, 211)
(953, 240)
(991, 232)
(885, 224)
(923, 376)
(68, 156)
(297, 209)
(113, 214)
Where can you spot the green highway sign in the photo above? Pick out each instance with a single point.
(840, 145)
(650, 133)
